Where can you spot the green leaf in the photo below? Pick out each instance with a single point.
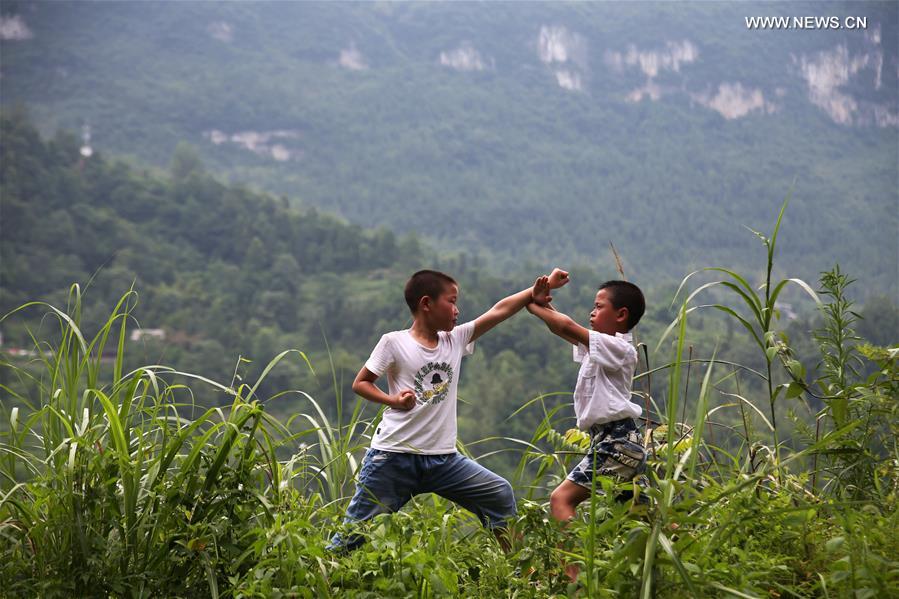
(797, 370)
(793, 390)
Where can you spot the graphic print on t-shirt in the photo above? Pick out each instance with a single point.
(432, 383)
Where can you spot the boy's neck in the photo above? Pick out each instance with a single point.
(422, 333)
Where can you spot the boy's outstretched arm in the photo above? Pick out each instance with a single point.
(560, 324)
(508, 306)
(502, 310)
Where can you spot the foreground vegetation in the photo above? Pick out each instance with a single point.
(117, 483)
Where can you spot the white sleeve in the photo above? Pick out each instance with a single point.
(612, 353)
(381, 356)
(462, 334)
(579, 352)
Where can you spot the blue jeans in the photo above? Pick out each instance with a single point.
(387, 480)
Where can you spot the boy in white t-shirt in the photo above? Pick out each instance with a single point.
(413, 449)
(602, 396)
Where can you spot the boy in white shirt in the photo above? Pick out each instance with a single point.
(602, 395)
(413, 449)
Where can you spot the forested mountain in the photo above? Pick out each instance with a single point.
(507, 130)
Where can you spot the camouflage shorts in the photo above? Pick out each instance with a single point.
(616, 450)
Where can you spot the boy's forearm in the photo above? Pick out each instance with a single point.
(500, 311)
(560, 324)
(372, 393)
(554, 319)
(513, 303)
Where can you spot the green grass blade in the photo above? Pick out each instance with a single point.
(701, 415)
(679, 566)
(674, 388)
(748, 293)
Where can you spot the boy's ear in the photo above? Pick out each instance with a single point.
(424, 303)
(622, 315)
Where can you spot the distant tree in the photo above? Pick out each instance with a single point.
(185, 161)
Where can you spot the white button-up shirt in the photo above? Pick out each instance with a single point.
(603, 390)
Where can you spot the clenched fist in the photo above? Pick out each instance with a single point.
(558, 278)
(404, 400)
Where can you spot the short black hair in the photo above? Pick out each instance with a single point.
(429, 283)
(624, 294)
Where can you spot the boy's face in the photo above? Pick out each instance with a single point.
(605, 318)
(442, 311)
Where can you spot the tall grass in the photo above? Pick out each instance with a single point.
(703, 512)
(114, 482)
(336, 443)
(758, 318)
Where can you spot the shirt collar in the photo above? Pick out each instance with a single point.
(626, 336)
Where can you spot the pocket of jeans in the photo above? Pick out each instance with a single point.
(378, 456)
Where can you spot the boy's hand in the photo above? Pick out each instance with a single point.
(404, 400)
(540, 291)
(558, 278)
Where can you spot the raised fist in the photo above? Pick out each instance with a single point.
(558, 278)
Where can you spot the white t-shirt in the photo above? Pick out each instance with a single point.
(603, 390)
(433, 374)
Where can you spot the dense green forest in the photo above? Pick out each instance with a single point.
(453, 121)
(234, 277)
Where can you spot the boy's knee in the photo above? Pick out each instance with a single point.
(506, 497)
(562, 499)
(556, 499)
(502, 507)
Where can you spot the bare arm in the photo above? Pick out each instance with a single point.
(508, 306)
(502, 310)
(364, 386)
(560, 324)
